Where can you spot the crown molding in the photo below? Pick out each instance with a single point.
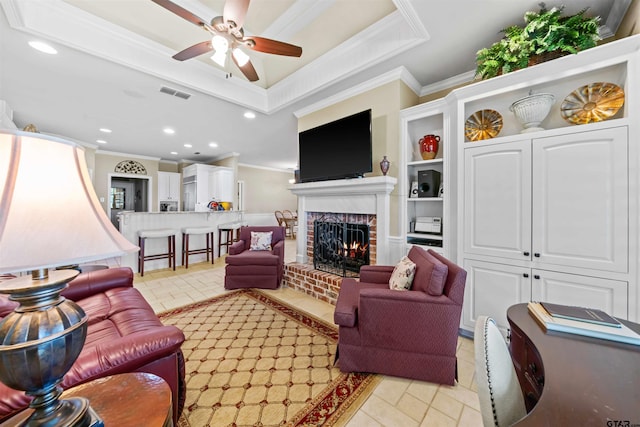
(245, 165)
(67, 25)
(400, 73)
(615, 17)
(448, 83)
(127, 155)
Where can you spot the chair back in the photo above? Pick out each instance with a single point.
(456, 279)
(279, 217)
(288, 214)
(499, 392)
(245, 234)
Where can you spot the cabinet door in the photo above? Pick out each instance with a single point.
(491, 289)
(580, 200)
(497, 200)
(163, 186)
(174, 186)
(583, 291)
(222, 185)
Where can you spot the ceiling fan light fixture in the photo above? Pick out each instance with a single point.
(219, 58)
(220, 44)
(240, 57)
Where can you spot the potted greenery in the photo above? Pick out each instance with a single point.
(546, 35)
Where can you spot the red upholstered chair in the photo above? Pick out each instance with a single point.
(411, 334)
(247, 268)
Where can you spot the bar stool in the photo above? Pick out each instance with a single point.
(186, 232)
(231, 232)
(143, 235)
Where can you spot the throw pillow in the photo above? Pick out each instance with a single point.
(261, 240)
(431, 273)
(402, 276)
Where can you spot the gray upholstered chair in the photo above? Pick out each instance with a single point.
(501, 400)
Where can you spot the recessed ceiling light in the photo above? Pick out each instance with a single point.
(213, 144)
(43, 47)
(101, 141)
(105, 130)
(188, 145)
(174, 153)
(168, 131)
(250, 115)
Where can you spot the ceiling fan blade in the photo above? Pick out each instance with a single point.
(235, 10)
(247, 69)
(261, 44)
(195, 50)
(181, 12)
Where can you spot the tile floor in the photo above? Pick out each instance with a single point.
(396, 402)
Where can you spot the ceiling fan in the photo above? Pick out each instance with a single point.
(228, 35)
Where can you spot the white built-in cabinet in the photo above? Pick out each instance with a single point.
(169, 187)
(425, 119)
(554, 204)
(548, 215)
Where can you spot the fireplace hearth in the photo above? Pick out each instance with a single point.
(340, 247)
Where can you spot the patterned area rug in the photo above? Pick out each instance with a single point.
(252, 360)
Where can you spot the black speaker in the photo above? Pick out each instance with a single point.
(428, 183)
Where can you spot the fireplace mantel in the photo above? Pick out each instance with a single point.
(358, 195)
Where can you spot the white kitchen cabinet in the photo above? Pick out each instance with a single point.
(195, 188)
(168, 186)
(222, 184)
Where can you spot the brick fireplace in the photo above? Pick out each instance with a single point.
(359, 201)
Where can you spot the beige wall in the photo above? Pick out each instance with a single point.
(385, 102)
(266, 190)
(105, 164)
(168, 166)
(630, 25)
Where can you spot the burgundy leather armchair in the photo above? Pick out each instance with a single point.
(411, 334)
(124, 335)
(255, 269)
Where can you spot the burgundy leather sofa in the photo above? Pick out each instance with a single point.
(124, 335)
(255, 269)
(411, 334)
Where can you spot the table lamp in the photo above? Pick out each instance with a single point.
(50, 216)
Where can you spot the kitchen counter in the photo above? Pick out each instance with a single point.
(131, 222)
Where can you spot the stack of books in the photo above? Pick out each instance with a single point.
(582, 321)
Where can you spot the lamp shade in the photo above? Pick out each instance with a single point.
(49, 212)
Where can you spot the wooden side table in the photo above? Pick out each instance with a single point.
(124, 400)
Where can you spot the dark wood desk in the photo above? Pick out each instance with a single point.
(577, 381)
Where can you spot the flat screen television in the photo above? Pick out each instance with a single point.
(336, 150)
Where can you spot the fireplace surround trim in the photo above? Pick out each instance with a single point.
(369, 195)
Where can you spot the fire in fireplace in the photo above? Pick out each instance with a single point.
(340, 247)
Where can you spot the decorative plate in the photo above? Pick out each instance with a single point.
(483, 124)
(592, 103)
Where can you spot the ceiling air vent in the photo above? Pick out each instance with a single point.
(175, 92)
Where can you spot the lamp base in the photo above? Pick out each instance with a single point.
(72, 412)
